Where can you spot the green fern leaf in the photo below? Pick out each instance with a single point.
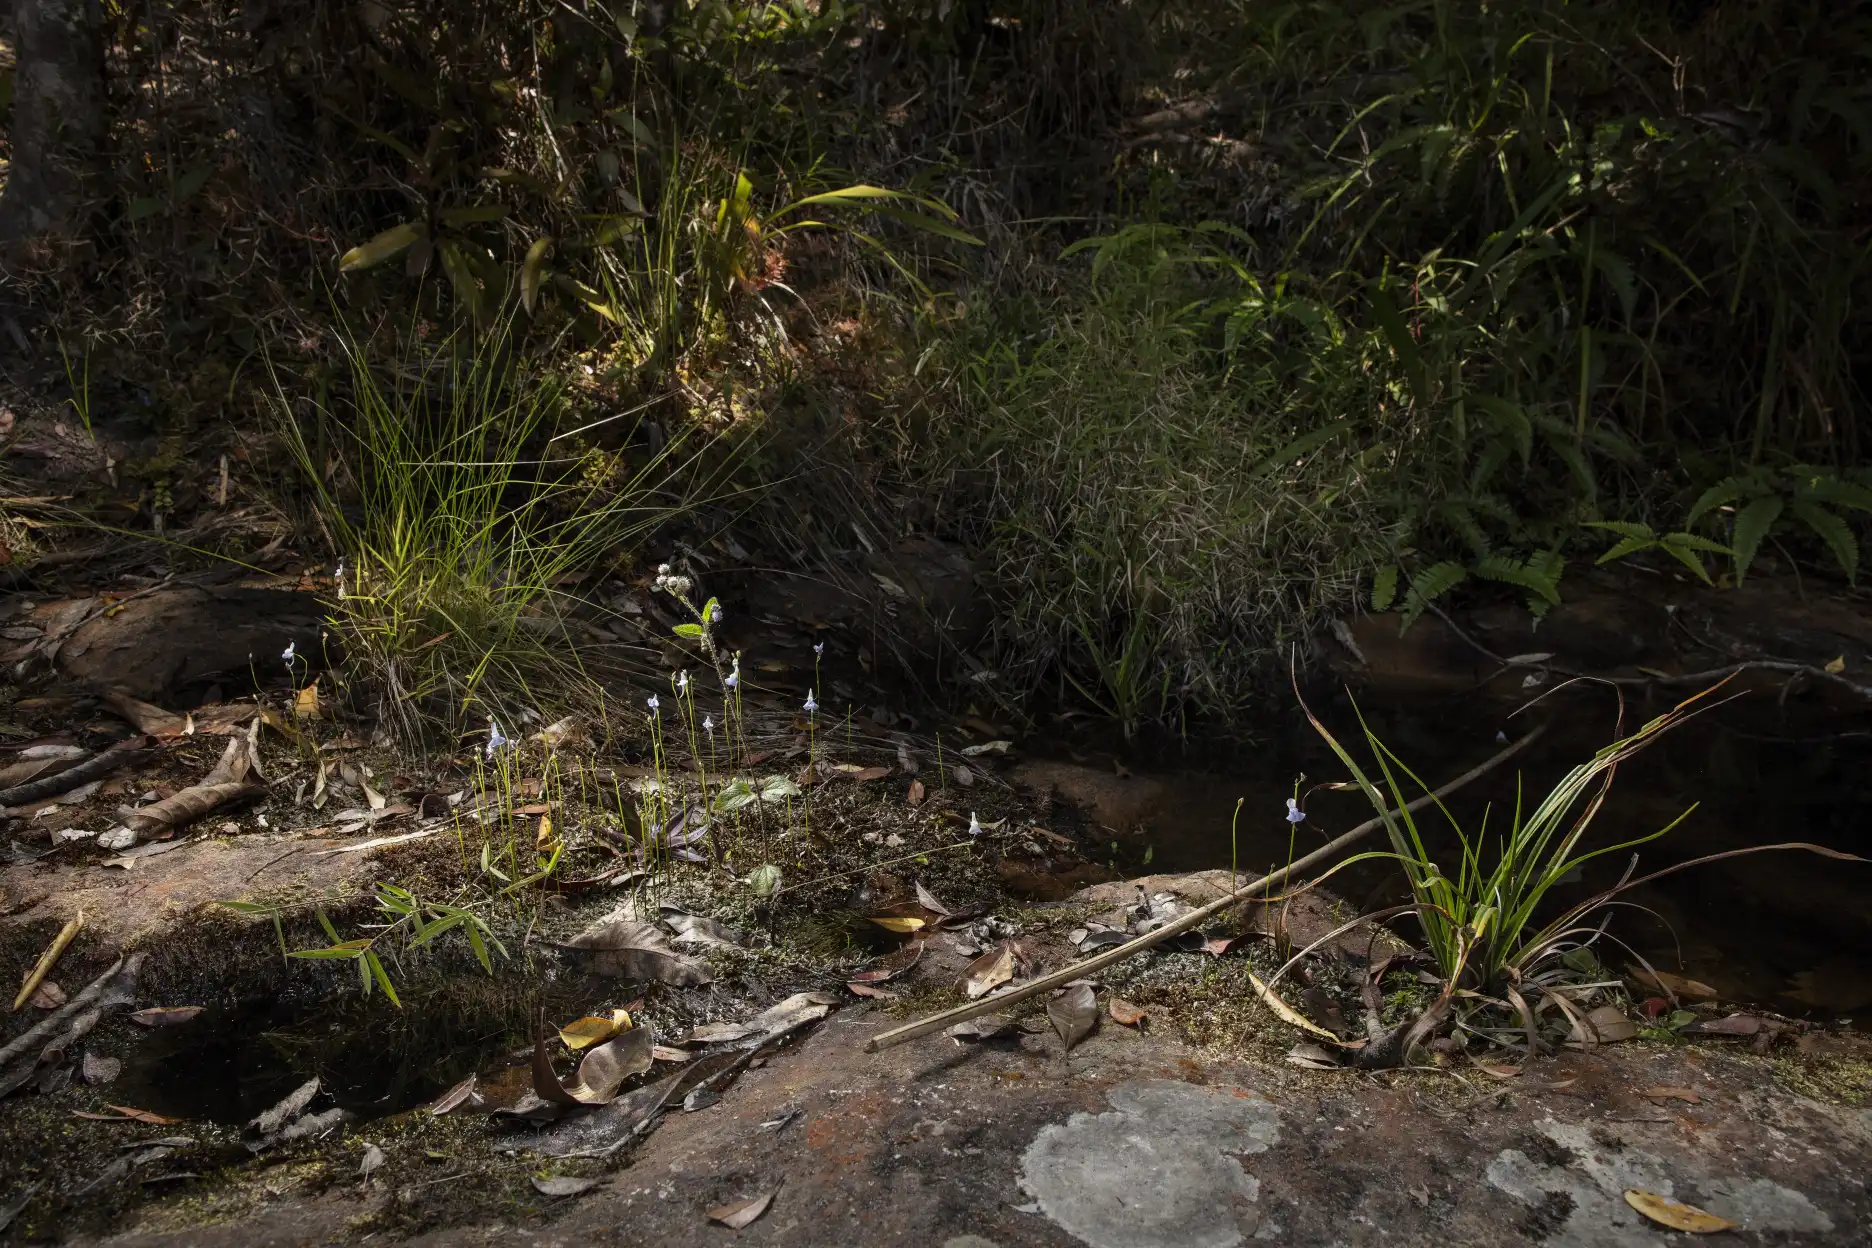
(1751, 528)
(1837, 493)
(1511, 419)
(1627, 546)
(1728, 490)
(1384, 588)
(1514, 572)
(1833, 531)
(1426, 587)
(1683, 552)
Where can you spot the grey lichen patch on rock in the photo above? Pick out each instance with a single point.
(1158, 1171)
(1590, 1186)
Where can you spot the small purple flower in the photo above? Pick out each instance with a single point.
(654, 705)
(496, 738)
(708, 726)
(289, 653)
(682, 683)
(1294, 813)
(715, 614)
(975, 828)
(811, 706)
(819, 649)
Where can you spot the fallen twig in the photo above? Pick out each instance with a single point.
(122, 754)
(1098, 962)
(48, 959)
(125, 968)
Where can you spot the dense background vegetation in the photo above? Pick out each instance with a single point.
(1196, 321)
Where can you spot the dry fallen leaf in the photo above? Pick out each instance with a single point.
(584, 1032)
(798, 1008)
(1605, 1025)
(664, 1053)
(47, 996)
(870, 990)
(1675, 1214)
(915, 795)
(1123, 1012)
(165, 1016)
(1310, 1056)
(1733, 1025)
(306, 702)
(1286, 1013)
(1836, 665)
(1498, 1071)
(631, 949)
(928, 901)
(899, 923)
(742, 1212)
(1678, 985)
(462, 1094)
(961, 774)
(1687, 1095)
(127, 1113)
(989, 971)
(1074, 1013)
(891, 965)
(604, 1069)
(564, 1185)
(985, 1028)
(98, 1070)
(867, 774)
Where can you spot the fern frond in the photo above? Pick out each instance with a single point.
(1752, 524)
(1426, 587)
(1832, 530)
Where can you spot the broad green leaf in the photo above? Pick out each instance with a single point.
(688, 630)
(461, 278)
(531, 269)
(382, 247)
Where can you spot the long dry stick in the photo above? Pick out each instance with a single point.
(48, 959)
(1100, 961)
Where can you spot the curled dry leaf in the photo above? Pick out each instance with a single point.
(891, 965)
(1733, 1025)
(97, 1070)
(989, 971)
(1676, 985)
(742, 1212)
(870, 990)
(902, 924)
(700, 930)
(1675, 1214)
(1498, 1071)
(288, 1109)
(928, 901)
(868, 774)
(604, 1069)
(47, 996)
(128, 1113)
(563, 1185)
(664, 1053)
(631, 949)
(1310, 1056)
(1125, 1013)
(1074, 1013)
(1605, 1025)
(464, 1094)
(798, 1008)
(165, 1016)
(915, 794)
(987, 1027)
(584, 1032)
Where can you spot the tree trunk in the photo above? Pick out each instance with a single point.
(57, 125)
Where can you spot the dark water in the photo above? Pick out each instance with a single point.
(1790, 930)
(230, 1064)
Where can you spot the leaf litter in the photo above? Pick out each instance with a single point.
(742, 1213)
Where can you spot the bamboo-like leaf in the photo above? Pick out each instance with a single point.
(384, 246)
(383, 980)
(461, 278)
(532, 268)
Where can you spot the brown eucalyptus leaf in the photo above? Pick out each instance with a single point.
(605, 1068)
(1074, 1013)
(631, 949)
(165, 1016)
(987, 1027)
(742, 1212)
(915, 794)
(464, 1094)
(1676, 985)
(1605, 1025)
(891, 965)
(988, 972)
(798, 1008)
(928, 901)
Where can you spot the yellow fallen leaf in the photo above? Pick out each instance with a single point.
(1675, 1214)
(584, 1032)
(544, 839)
(306, 702)
(1837, 665)
(891, 923)
(1287, 1014)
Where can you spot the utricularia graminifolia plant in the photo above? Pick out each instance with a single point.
(702, 628)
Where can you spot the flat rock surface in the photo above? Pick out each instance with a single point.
(1134, 1141)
